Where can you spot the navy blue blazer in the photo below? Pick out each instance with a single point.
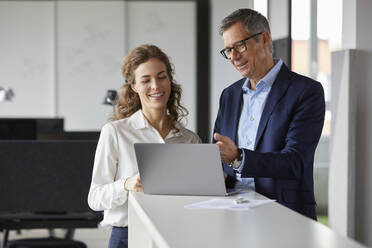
(288, 133)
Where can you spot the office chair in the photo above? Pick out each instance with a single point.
(50, 242)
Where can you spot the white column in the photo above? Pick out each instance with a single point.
(342, 156)
(356, 35)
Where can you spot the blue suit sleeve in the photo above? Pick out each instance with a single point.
(230, 180)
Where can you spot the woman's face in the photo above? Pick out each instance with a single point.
(152, 84)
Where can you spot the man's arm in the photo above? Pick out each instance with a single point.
(300, 142)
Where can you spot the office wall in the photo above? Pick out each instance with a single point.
(60, 57)
(171, 26)
(90, 44)
(27, 57)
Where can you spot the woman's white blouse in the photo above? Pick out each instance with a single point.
(115, 161)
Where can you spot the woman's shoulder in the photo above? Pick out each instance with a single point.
(136, 120)
(188, 134)
(112, 125)
(115, 123)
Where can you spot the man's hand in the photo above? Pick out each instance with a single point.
(133, 183)
(228, 149)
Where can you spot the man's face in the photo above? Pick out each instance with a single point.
(248, 63)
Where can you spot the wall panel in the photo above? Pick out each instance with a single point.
(26, 57)
(90, 48)
(172, 27)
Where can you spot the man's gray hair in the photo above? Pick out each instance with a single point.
(254, 23)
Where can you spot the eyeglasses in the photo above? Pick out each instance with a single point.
(239, 47)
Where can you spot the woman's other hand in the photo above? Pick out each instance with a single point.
(133, 183)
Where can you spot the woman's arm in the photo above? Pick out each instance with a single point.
(106, 193)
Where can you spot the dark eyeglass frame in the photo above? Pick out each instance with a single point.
(243, 42)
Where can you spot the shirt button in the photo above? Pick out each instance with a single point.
(249, 142)
(252, 119)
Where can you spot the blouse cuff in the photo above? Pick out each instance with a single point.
(119, 189)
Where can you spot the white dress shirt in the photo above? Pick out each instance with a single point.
(115, 161)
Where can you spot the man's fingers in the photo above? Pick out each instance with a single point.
(218, 137)
(221, 138)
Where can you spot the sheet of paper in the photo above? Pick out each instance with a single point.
(228, 204)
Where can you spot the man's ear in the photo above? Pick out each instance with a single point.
(266, 37)
(133, 88)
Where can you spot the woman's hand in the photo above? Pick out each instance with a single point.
(133, 183)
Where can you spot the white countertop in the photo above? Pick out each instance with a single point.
(171, 225)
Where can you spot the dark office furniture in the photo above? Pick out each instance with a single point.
(40, 129)
(30, 128)
(45, 243)
(75, 135)
(44, 184)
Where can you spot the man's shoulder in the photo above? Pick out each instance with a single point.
(302, 80)
(300, 85)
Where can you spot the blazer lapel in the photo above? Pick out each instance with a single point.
(236, 112)
(278, 89)
(235, 106)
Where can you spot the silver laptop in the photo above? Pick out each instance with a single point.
(180, 169)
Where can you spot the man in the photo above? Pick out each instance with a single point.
(269, 122)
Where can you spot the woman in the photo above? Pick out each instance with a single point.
(148, 110)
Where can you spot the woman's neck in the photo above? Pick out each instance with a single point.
(159, 120)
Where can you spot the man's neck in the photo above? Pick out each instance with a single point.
(254, 80)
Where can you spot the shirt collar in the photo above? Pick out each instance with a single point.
(138, 121)
(268, 79)
(181, 131)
